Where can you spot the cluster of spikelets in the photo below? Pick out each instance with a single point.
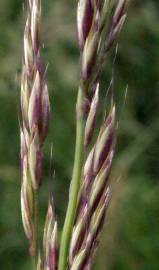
(97, 31)
(98, 25)
(35, 116)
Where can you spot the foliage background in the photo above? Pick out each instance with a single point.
(130, 238)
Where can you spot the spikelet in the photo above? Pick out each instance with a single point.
(50, 240)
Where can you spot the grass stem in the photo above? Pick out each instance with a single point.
(35, 232)
(75, 185)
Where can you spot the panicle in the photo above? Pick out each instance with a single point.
(35, 110)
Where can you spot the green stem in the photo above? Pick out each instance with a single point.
(74, 187)
(35, 231)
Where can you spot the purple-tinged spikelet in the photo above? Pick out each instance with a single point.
(90, 123)
(79, 231)
(35, 161)
(84, 20)
(105, 141)
(88, 168)
(50, 240)
(119, 11)
(117, 23)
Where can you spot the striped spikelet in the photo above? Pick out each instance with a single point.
(35, 115)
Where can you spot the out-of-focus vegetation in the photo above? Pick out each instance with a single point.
(130, 239)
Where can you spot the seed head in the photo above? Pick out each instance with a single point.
(35, 110)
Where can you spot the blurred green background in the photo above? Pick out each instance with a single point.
(130, 239)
